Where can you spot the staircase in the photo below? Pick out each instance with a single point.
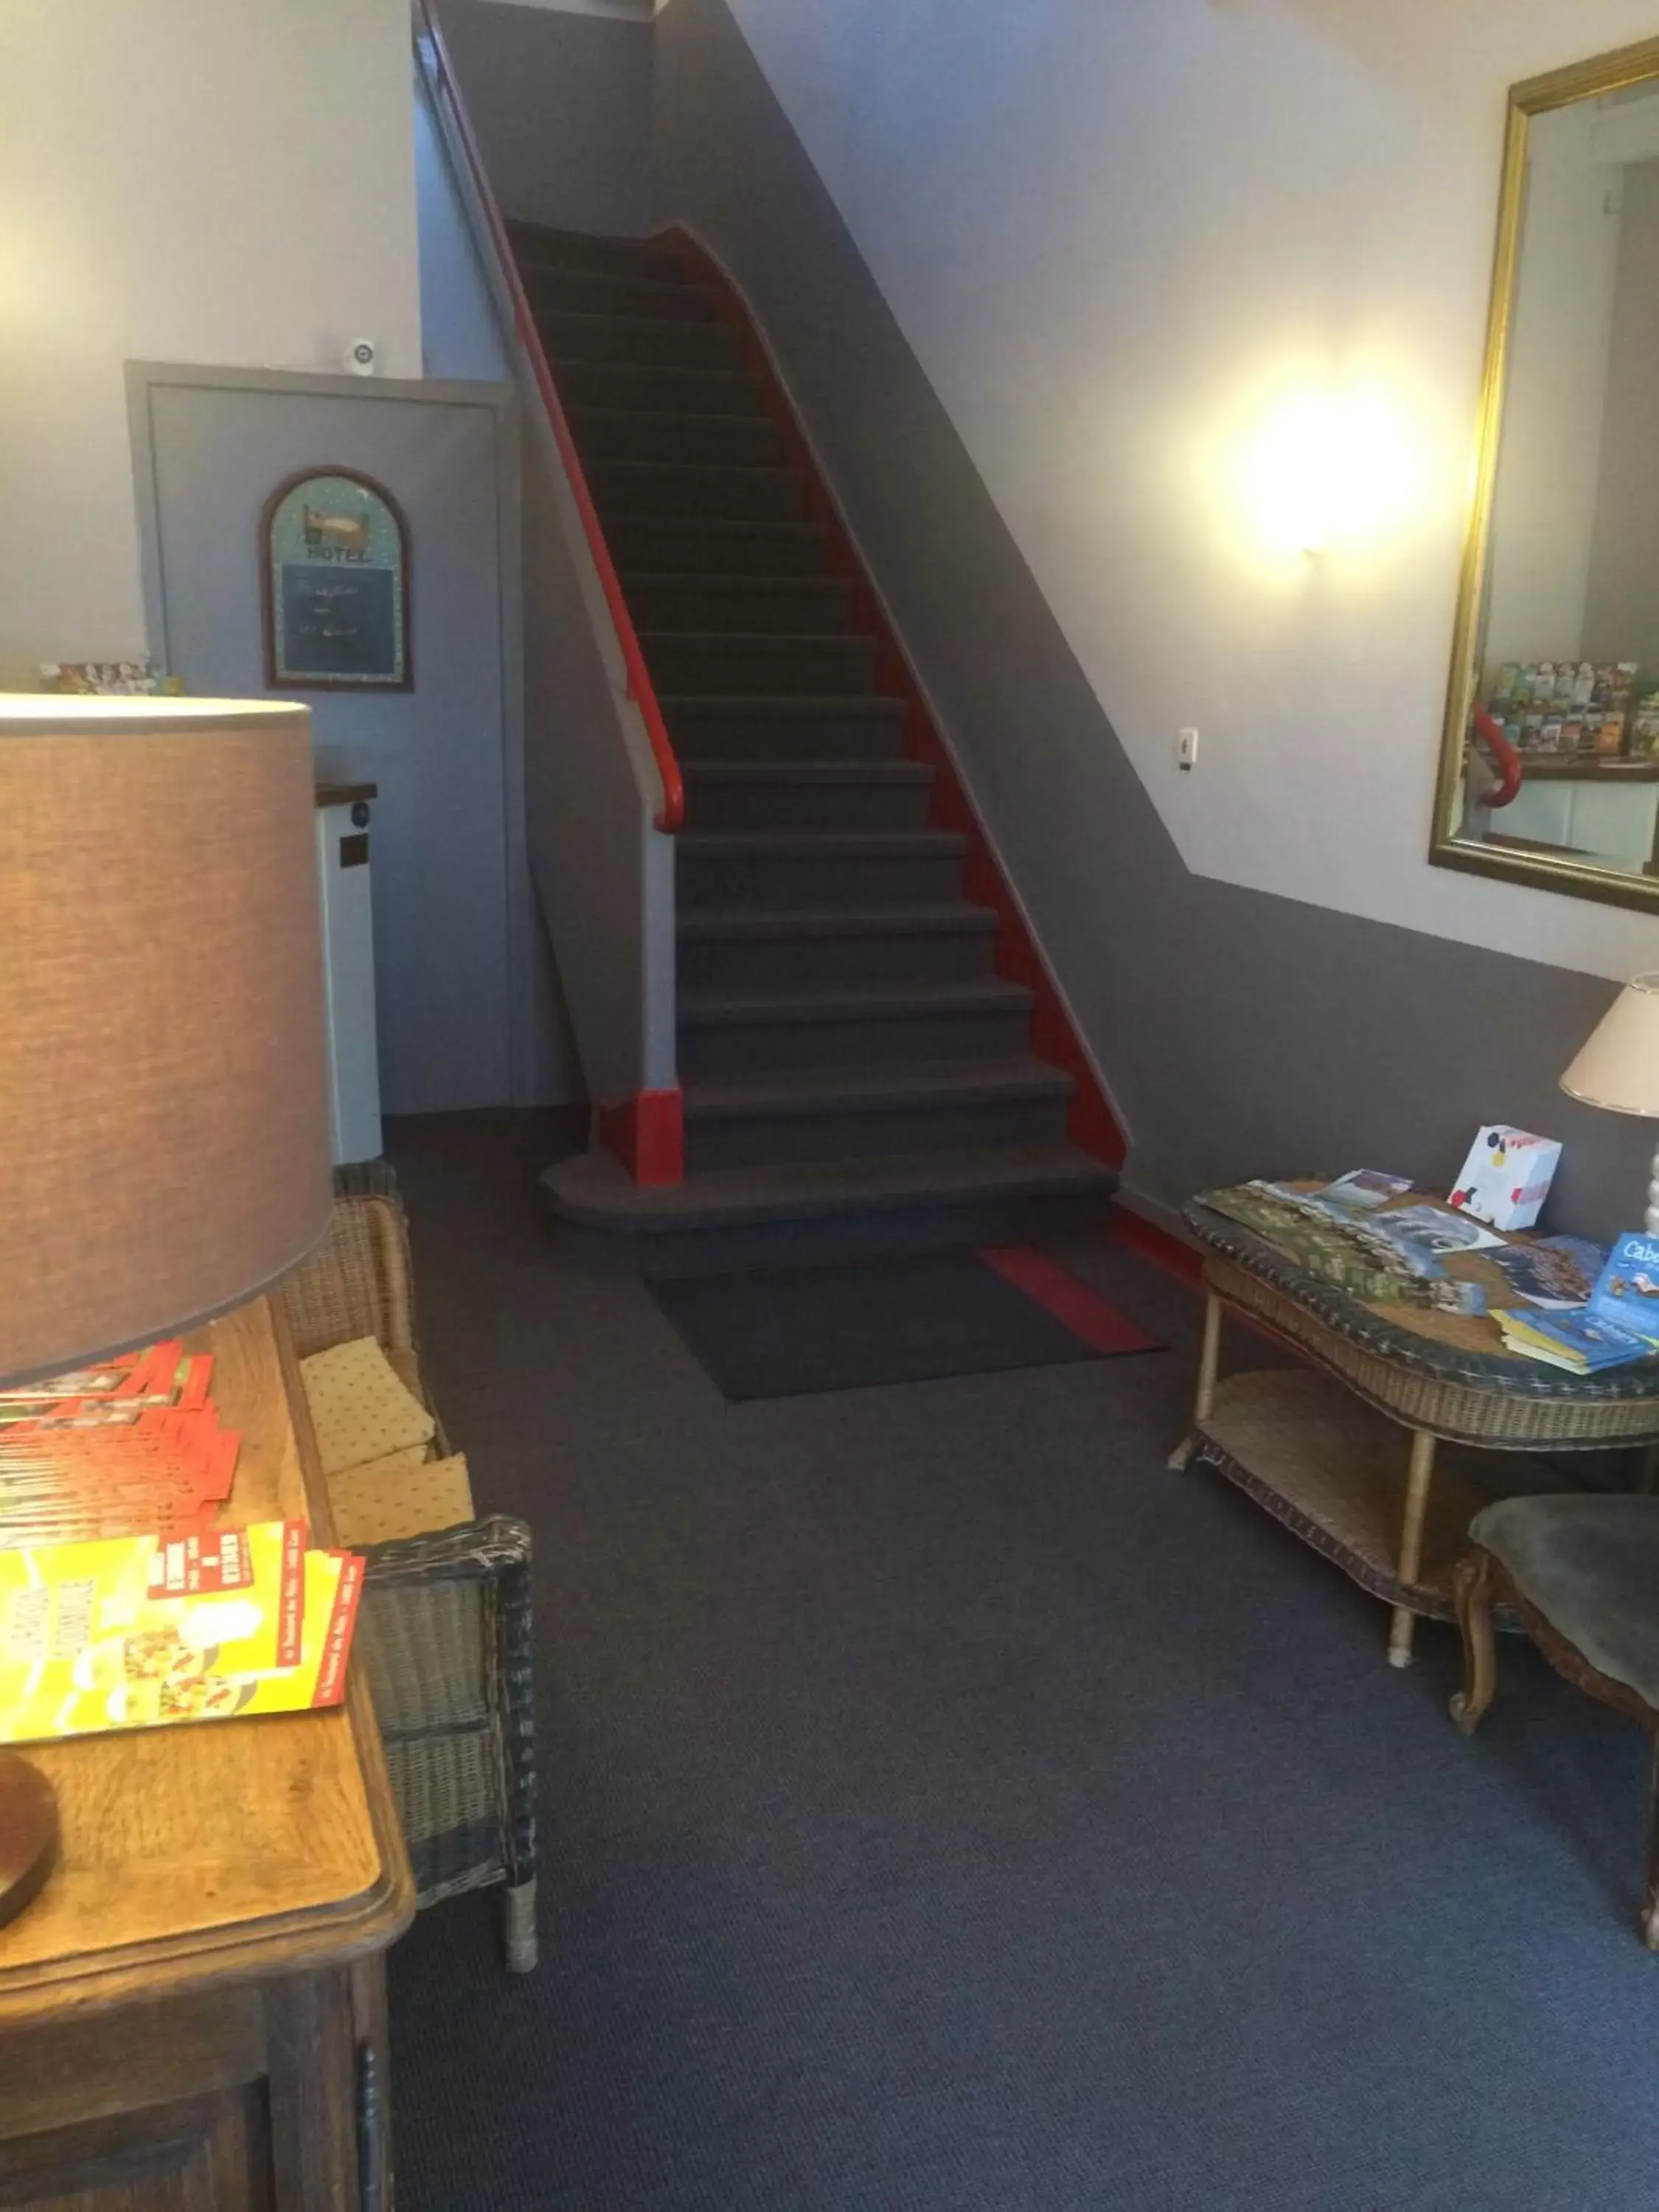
(857, 1075)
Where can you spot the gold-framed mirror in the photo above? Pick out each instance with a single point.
(1549, 766)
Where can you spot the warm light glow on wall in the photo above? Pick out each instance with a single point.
(1323, 471)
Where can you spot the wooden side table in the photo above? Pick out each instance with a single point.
(192, 2012)
(1400, 1427)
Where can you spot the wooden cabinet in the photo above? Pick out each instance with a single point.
(192, 2012)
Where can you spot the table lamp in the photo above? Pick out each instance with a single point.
(1618, 1068)
(164, 1145)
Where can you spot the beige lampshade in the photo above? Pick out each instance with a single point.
(1618, 1066)
(164, 1143)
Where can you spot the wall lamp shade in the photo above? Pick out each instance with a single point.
(1617, 1066)
(164, 1141)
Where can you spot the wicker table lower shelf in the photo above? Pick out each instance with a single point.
(1335, 1473)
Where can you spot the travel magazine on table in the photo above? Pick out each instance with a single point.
(1619, 1324)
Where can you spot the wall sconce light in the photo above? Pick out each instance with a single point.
(1325, 469)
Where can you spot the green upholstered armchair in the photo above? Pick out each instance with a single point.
(1582, 1573)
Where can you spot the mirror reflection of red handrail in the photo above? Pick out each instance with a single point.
(671, 813)
(1504, 757)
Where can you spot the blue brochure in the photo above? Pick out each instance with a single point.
(1576, 1339)
(1626, 1293)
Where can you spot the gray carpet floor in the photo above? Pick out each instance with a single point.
(948, 1809)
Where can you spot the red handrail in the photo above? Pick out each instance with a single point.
(671, 813)
(1508, 762)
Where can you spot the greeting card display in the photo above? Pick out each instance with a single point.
(1506, 1177)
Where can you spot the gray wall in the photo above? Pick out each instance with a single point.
(460, 335)
(1240, 1033)
(1621, 605)
(461, 338)
(561, 105)
(464, 1014)
(603, 878)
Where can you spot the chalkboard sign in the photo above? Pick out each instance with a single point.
(334, 565)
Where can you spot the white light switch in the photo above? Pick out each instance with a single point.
(1187, 749)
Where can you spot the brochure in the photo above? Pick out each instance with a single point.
(159, 1376)
(1338, 1245)
(92, 1468)
(1424, 1236)
(1557, 1273)
(1361, 1189)
(1358, 1192)
(1626, 1293)
(1577, 1340)
(131, 1633)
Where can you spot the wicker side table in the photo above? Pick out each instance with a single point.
(1321, 1448)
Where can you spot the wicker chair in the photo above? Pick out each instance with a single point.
(444, 1630)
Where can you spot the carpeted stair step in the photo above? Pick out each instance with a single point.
(751, 1032)
(554, 291)
(635, 342)
(784, 729)
(670, 392)
(709, 492)
(675, 545)
(715, 663)
(857, 868)
(795, 606)
(625, 433)
(857, 1077)
(539, 246)
(806, 795)
(773, 1120)
(833, 947)
(815, 1214)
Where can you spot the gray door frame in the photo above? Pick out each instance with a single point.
(500, 402)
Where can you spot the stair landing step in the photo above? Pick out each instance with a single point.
(595, 1190)
(736, 1097)
(541, 246)
(714, 924)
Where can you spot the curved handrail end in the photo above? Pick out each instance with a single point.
(1511, 769)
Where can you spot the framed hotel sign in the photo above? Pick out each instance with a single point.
(334, 585)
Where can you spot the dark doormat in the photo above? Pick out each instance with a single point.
(787, 1332)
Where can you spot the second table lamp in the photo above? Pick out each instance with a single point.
(1618, 1066)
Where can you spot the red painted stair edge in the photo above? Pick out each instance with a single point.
(1091, 1124)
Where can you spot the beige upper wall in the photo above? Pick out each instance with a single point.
(1155, 256)
(225, 181)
